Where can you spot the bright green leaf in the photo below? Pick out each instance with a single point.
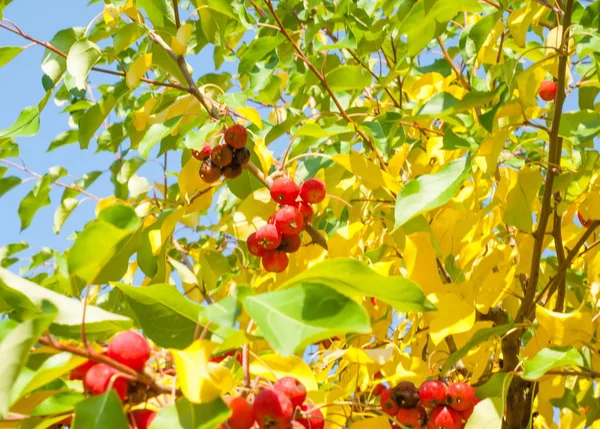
(345, 78)
(100, 412)
(548, 359)
(185, 415)
(7, 53)
(82, 57)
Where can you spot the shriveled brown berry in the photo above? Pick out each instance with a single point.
(209, 172)
(405, 394)
(233, 170)
(222, 155)
(242, 156)
(236, 136)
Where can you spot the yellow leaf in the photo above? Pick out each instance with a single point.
(159, 236)
(380, 422)
(590, 207)
(454, 315)
(528, 82)
(111, 15)
(274, 366)
(489, 52)
(131, 11)
(423, 87)
(421, 263)
(520, 199)
(252, 115)
(371, 175)
(200, 380)
(251, 214)
(179, 42)
(520, 20)
(265, 156)
(137, 70)
(565, 329)
(345, 239)
(196, 193)
(105, 202)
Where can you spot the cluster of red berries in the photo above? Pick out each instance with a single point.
(130, 349)
(280, 236)
(227, 158)
(281, 407)
(432, 406)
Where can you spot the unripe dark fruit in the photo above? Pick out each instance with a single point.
(432, 393)
(268, 237)
(254, 247)
(131, 349)
(242, 156)
(275, 261)
(97, 379)
(289, 220)
(273, 410)
(306, 211)
(202, 154)
(313, 191)
(233, 170)
(405, 394)
(236, 136)
(548, 90)
(221, 155)
(284, 191)
(293, 389)
(313, 418)
(209, 172)
(242, 414)
(290, 243)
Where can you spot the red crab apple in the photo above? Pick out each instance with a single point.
(236, 136)
(79, 372)
(432, 393)
(290, 243)
(268, 237)
(242, 413)
(284, 191)
(131, 349)
(275, 261)
(313, 419)
(405, 394)
(387, 404)
(460, 396)
(254, 247)
(313, 191)
(203, 153)
(289, 220)
(379, 389)
(142, 418)
(306, 211)
(98, 378)
(293, 389)
(221, 155)
(548, 90)
(272, 409)
(209, 172)
(444, 418)
(414, 418)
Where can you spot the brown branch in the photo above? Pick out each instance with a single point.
(451, 62)
(560, 255)
(176, 12)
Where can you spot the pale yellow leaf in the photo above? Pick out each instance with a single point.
(252, 115)
(454, 315)
(420, 259)
(137, 70)
(274, 366)
(370, 174)
(265, 156)
(196, 193)
(520, 20)
(111, 15)
(566, 329)
(179, 42)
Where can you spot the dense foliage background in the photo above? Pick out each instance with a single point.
(448, 246)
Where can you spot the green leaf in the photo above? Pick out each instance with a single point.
(59, 403)
(293, 318)
(160, 12)
(63, 212)
(223, 312)
(430, 191)
(53, 64)
(345, 78)
(100, 412)
(257, 50)
(156, 133)
(37, 198)
(438, 104)
(127, 35)
(165, 315)
(478, 338)
(26, 298)
(489, 412)
(82, 57)
(315, 130)
(185, 415)
(15, 348)
(355, 279)
(7, 53)
(102, 250)
(162, 60)
(63, 139)
(550, 358)
(26, 125)
(7, 183)
(472, 39)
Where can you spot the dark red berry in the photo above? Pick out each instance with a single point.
(414, 418)
(313, 419)
(272, 409)
(293, 389)
(202, 154)
(233, 170)
(209, 172)
(236, 136)
(284, 191)
(221, 155)
(268, 237)
(379, 389)
(290, 243)
(444, 418)
(275, 261)
(242, 156)
(306, 211)
(405, 394)
(388, 406)
(432, 393)
(313, 191)
(288, 220)
(460, 396)
(254, 247)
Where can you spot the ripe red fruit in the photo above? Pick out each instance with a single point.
(284, 191)
(379, 389)
(271, 220)
(293, 389)
(306, 211)
(548, 90)
(272, 409)
(236, 136)
(414, 418)
(202, 154)
(242, 156)
(254, 247)
(460, 395)
(313, 191)
(220, 358)
(444, 418)
(142, 418)
(268, 237)
(388, 406)
(405, 394)
(131, 349)
(221, 155)
(584, 222)
(242, 414)
(233, 170)
(275, 261)
(98, 377)
(79, 372)
(209, 172)
(374, 301)
(432, 393)
(313, 419)
(290, 243)
(288, 220)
